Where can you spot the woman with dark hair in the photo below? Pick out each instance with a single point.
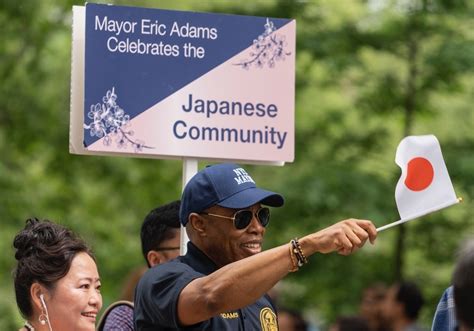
(57, 285)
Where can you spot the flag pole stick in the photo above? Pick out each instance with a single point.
(390, 225)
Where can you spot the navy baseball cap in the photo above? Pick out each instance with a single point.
(227, 185)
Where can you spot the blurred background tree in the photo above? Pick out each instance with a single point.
(368, 73)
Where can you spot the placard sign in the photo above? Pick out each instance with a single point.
(161, 83)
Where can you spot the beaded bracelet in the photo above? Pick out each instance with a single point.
(300, 250)
(300, 257)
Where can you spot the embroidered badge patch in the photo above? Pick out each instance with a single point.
(268, 320)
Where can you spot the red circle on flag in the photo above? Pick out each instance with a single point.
(419, 174)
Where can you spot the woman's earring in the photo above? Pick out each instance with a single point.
(43, 317)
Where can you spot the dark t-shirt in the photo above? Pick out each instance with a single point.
(157, 293)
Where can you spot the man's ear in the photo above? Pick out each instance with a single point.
(198, 224)
(154, 258)
(36, 291)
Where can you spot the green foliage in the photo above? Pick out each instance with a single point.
(367, 73)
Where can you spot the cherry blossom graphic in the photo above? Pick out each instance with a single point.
(110, 122)
(268, 48)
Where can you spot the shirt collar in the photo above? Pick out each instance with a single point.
(198, 260)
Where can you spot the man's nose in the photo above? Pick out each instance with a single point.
(255, 226)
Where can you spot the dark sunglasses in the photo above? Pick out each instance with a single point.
(242, 218)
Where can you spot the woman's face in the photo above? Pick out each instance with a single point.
(76, 300)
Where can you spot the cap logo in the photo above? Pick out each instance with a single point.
(242, 176)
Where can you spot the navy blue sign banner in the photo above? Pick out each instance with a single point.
(161, 83)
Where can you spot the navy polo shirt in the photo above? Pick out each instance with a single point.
(156, 299)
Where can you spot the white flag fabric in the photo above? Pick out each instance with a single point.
(424, 185)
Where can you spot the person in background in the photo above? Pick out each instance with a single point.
(221, 282)
(402, 305)
(463, 287)
(370, 307)
(350, 323)
(291, 320)
(57, 285)
(445, 315)
(160, 234)
(160, 243)
(130, 282)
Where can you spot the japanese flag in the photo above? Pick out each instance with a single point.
(424, 185)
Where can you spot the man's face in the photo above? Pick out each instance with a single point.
(285, 321)
(391, 308)
(167, 250)
(372, 305)
(170, 247)
(226, 244)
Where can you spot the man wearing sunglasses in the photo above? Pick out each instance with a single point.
(220, 283)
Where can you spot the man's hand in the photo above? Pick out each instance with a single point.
(344, 237)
